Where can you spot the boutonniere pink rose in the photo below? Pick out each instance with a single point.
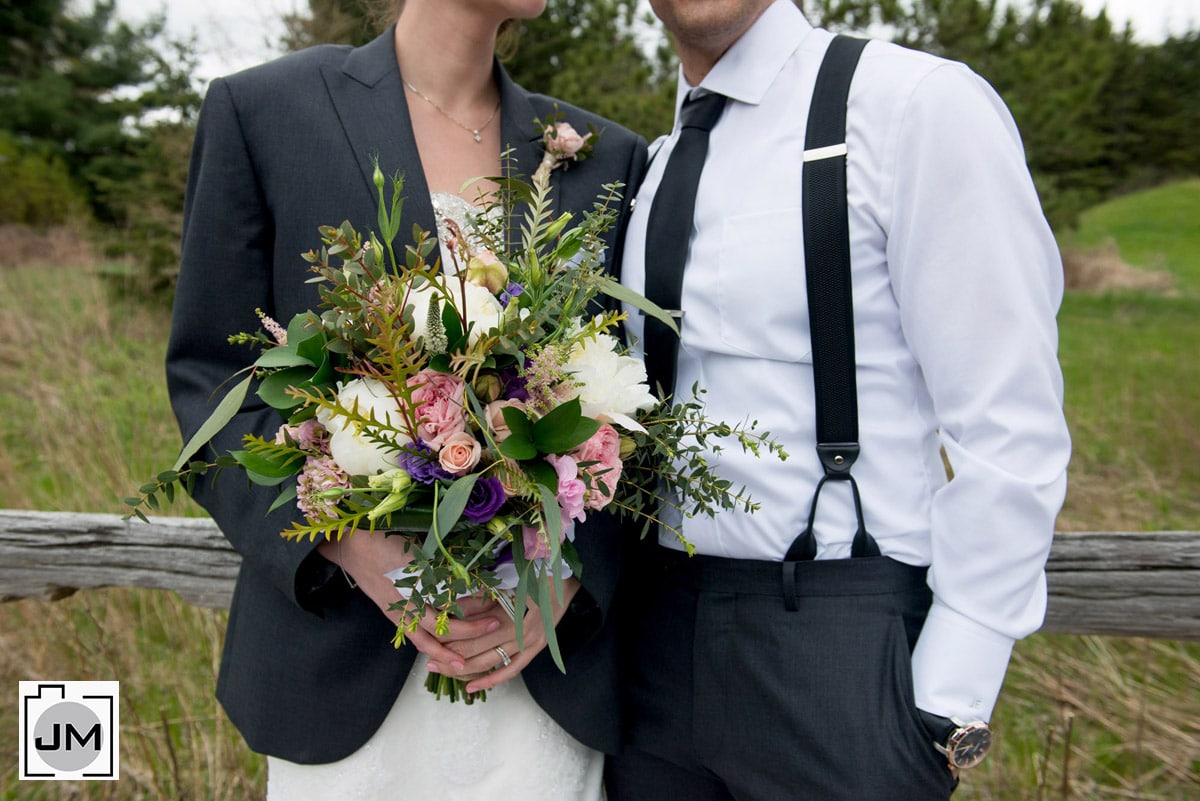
(563, 145)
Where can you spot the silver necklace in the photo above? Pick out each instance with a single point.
(475, 132)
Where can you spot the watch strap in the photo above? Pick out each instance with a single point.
(940, 728)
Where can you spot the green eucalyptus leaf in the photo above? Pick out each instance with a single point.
(281, 357)
(312, 349)
(547, 611)
(300, 326)
(286, 495)
(453, 502)
(268, 467)
(265, 481)
(618, 291)
(569, 244)
(225, 411)
(273, 389)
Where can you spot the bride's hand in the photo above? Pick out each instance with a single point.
(478, 655)
(367, 557)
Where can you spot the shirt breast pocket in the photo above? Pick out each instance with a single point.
(763, 300)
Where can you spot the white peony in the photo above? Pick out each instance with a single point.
(612, 387)
(484, 311)
(354, 453)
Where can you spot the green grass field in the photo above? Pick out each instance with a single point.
(84, 418)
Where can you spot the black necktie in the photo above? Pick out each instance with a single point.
(668, 231)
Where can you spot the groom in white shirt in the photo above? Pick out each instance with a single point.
(876, 679)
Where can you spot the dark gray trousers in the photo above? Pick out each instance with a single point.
(731, 697)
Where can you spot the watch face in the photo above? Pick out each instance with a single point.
(969, 745)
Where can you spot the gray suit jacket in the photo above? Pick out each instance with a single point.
(308, 671)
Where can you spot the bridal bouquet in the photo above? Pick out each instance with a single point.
(480, 405)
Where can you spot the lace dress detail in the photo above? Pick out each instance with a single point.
(452, 207)
(504, 748)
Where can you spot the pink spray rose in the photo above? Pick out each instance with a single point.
(571, 488)
(537, 545)
(308, 436)
(438, 399)
(603, 448)
(459, 453)
(564, 141)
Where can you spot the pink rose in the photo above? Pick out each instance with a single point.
(438, 400)
(308, 436)
(494, 417)
(459, 453)
(537, 542)
(603, 448)
(564, 141)
(571, 489)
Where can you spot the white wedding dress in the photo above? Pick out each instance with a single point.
(505, 748)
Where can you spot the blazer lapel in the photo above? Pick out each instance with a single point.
(517, 130)
(368, 94)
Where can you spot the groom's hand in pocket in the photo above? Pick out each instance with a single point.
(367, 558)
(483, 663)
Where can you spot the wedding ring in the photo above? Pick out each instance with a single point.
(503, 656)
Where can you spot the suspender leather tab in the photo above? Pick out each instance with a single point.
(837, 457)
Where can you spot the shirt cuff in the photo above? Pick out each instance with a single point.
(958, 666)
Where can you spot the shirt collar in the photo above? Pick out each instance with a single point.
(752, 64)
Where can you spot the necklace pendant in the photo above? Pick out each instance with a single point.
(478, 137)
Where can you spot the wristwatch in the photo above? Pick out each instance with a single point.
(964, 744)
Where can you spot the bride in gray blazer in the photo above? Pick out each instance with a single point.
(308, 673)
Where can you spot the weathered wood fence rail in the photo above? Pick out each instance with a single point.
(1125, 584)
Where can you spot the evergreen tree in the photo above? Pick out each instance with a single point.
(1052, 66)
(81, 88)
(1050, 61)
(353, 22)
(1159, 89)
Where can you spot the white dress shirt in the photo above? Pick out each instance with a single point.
(956, 280)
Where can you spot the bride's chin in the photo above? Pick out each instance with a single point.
(513, 9)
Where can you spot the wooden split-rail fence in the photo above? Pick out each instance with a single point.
(1129, 584)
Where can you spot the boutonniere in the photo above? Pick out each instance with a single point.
(563, 145)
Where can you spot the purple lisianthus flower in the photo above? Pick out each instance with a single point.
(514, 385)
(419, 461)
(487, 496)
(510, 293)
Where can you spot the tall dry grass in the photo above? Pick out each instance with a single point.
(83, 418)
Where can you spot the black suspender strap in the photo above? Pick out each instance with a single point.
(830, 300)
(827, 259)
